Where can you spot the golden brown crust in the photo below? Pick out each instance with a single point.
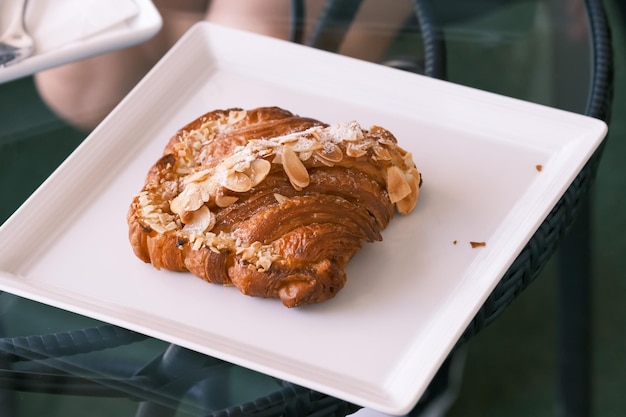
(270, 202)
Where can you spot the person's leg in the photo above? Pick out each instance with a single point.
(376, 25)
(267, 17)
(84, 92)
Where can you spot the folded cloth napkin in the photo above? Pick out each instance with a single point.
(56, 23)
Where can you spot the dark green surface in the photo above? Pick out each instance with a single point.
(511, 365)
(32, 143)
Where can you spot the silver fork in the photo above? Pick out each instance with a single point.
(16, 44)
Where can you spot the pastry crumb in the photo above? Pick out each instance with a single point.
(478, 244)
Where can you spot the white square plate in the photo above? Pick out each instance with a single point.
(407, 299)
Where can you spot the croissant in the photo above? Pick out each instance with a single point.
(270, 202)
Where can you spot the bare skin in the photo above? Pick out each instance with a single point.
(84, 92)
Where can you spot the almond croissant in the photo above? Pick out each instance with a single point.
(270, 202)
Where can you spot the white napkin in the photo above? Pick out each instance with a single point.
(55, 23)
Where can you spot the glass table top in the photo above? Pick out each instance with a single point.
(534, 51)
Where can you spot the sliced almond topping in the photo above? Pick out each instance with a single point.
(305, 156)
(197, 176)
(186, 216)
(188, 200)
(397, 185)
(242, 166)
(237, 182)
(231, 161)
(331, 153)
(205, 191)
(263, 263)
(280, 198)
(306, 145)
(408, 160)
(407, 204)
(235, 116)
(177, 204)
(295, 169)
(249, 252)
(386, 141)
(355, 151)
(147, 209)
(157, 227)
(289, 139)
(278, 159)
(324, 161)
(259, 168)
(382, 153)
(197, 243)
(225, 200)
(201, 220)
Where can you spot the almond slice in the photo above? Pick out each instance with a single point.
(201, 220)
(186, 216)
(278, 159)
(295, 169)
(237, 182)
(205, 191)
(331, 153)
(280, 198)
(382, 153)
(408, 160)
(304, 145)
(231, 161)
(190, 199)
(235, 116)
(248, 253)
(197, 176)
(353, 150)
(259, 168)
(305, 155)
(225, 200)
(407, 204)
(397, 185)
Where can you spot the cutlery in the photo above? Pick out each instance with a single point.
(16, 44)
